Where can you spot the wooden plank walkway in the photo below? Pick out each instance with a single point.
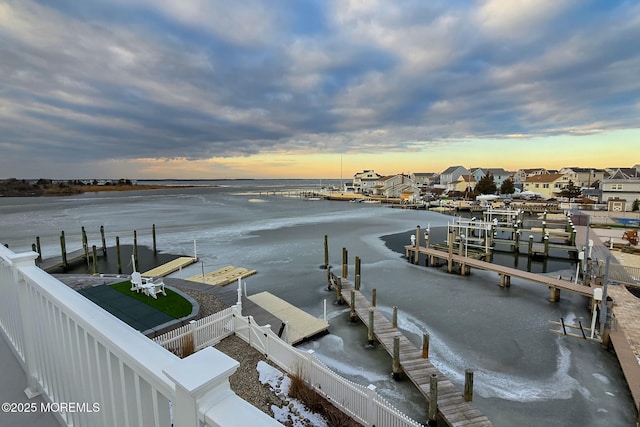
(628, 362)
(223, 276)
(170, 267)
(549, 281)
(452, 407)
(300, 324)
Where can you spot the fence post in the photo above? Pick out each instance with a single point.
(25, 260)
(372, 413)
(308, 374)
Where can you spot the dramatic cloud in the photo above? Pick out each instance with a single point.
(204, 79)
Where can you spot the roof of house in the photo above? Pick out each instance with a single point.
(451, 169)
(547, 177)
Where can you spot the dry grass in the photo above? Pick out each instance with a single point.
(333, 416)
(188, 346)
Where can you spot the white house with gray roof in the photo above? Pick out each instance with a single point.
(452, 173)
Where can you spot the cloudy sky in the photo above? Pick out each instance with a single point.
(248, 88)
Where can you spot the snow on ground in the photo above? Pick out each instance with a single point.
(294, 411)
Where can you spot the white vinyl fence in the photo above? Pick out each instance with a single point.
(361, 403)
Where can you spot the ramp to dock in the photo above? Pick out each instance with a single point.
(170, 267)
(300, 324)
(223, 276)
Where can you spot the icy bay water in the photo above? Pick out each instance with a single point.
(524, 374)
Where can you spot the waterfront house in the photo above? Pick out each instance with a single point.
(464, 184)
(623, 187)
(584, 177)
(499, 175)
(395, 186)
(452, 173)
(521, 176)
(424, 179)
(365, 181)
(547, 185)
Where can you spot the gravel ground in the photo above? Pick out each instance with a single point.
(244, 382)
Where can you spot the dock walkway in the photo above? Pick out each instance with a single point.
(170, 267)
(505, 273)
(452, 407)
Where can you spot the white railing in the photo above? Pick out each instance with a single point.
(78, 356)
(198, 333)
(359, 402)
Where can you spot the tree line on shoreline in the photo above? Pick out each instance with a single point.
(13, 187)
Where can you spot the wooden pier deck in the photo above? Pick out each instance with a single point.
(223, 276)
(554, 284)
(300, 324)
(170, 267)
(452, 407)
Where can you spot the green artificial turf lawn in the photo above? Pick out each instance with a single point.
(173, 304)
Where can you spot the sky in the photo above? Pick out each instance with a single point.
(315, 88)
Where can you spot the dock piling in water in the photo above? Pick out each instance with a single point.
(396, 358)
(118, 255)
(425, 345)
(153, 234)
(370, 336)
(103, 240)
(433, 399)
(468, 385)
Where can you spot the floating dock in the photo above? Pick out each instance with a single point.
(170, 267)
(300, 324)
(223, 276)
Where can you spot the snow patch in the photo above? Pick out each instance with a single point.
(294, 410)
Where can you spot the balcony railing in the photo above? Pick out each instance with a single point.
(96, 370)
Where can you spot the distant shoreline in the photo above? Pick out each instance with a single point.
(71, 190)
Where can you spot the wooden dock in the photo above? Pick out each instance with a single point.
(223, 276)
(170, 267)
(300, 324)
(452, 407)
(555, 285)
(56, 263)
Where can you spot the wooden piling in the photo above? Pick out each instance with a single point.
(85, 246)
(394, 318)
(530, 249)
(468, 385)
(345, 263)
(554, 294)
(416, 255)
(433, 399)
(357, 283)
(546, 245)
(153, 234)
(326, 251)
(328, 278)
(135, 247)
(39, 248)
(353, 316)
(118, 255)
(95, 260)
(373, 297)
(339, 291)
(425, 345)
(452, 235)
(395, 366)
(103, 240)
(370, 336)
(63, 248)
